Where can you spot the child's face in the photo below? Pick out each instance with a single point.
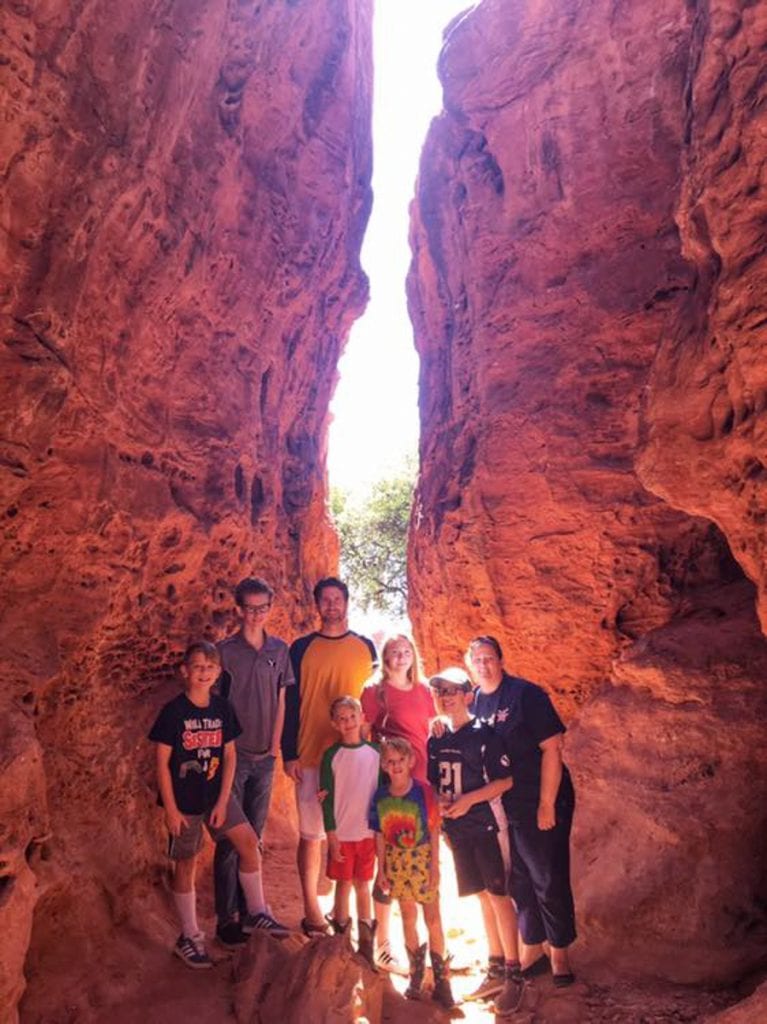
(200, 672)
(452, 700)
(348, 722)
(397, 766)
(399, 656)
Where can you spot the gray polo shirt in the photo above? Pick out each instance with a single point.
(252, 681)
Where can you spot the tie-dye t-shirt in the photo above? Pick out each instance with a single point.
(404, 821)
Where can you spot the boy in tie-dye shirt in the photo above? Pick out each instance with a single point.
(405, 819)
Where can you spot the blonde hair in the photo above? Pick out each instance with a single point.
(414, 673)
(399, 745)
(345, 702)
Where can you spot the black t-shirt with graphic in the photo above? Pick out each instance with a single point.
(522, 714)
(460, 762)
(197, 736)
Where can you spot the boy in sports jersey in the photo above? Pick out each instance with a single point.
(349, 776)
(469, 769)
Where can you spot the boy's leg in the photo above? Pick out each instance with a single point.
(501, 909)
(409, 912)
(228, 894)
(185, 897)
(433, 920)
(341, 902)
(183, 850)
(416, 954)
(494, 944)
(309, 853)
(258, 793)
(245, 842)
(364, 902)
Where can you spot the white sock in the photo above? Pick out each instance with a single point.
(186, 908)
(253, 887)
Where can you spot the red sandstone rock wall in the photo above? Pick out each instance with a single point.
(572, 200)
(185, 188)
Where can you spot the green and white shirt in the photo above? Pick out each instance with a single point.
(350, 775)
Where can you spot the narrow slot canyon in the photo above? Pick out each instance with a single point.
(186, 191)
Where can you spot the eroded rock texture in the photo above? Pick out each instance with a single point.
(585, 293)
(185, 187)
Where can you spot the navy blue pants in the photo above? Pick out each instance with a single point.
(252, 787)
(540, 880)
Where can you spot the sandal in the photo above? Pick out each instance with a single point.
(314, 930)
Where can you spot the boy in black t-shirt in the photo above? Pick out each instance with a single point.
(468, 767)
(196, 758)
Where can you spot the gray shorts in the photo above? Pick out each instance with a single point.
(189, 843)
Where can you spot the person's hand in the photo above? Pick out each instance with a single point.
(321, 794)
(334, 848)
(175, 821)
(437, 728)
(293, 770)
(547, 817)
(460, 806)
(382, 882)
(218, 814)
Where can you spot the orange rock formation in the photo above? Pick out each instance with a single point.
(585, 290)
(185, 191)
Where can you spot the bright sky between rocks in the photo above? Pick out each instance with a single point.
(375, 408)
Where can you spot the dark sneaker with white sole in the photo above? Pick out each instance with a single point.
(192, 951)
(263, 923)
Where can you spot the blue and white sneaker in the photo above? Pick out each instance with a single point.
(192, 951)
(263, 923)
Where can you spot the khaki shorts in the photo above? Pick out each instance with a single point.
(189, 843)
(310, 821)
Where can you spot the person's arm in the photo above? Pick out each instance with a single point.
(279, 722)
(463, 804)
(434, 866)
(551, 777)
(174, 819)
(327, 790)
(289, 741)
(381, 881)
(218, 814)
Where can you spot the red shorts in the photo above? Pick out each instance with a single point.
(358, 864)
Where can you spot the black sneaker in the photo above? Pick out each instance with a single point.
(231, 935)
(192, 951)
(263, 923)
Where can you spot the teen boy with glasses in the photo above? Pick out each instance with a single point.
(256, 670)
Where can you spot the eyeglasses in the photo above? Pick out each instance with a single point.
(257, 609)
(450, 691)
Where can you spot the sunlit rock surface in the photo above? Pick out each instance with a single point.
(185, 188)
(585, 292)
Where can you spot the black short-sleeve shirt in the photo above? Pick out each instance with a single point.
(522, 714)
(198, 737)
(462, 761)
